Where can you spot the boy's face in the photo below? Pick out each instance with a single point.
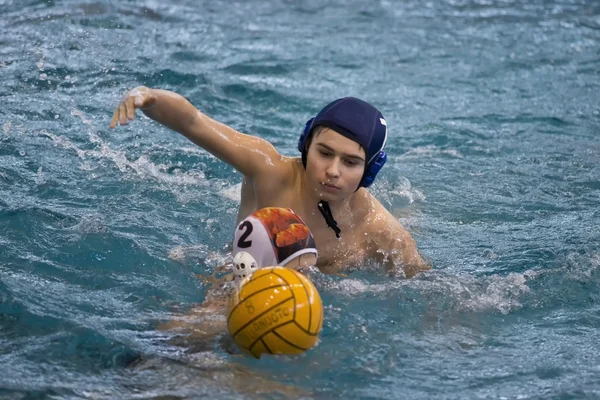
(334, 165)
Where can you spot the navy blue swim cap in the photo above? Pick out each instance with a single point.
(358, 121)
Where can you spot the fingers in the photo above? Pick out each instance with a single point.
(114, 120)
(133, 99)
(130, 106)
(123, 112)
(120, 115)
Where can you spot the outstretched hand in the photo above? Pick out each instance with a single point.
(140, 97)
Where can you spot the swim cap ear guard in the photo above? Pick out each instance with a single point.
(244, 265)
(373, 169)
(359, 121)
(305, 134)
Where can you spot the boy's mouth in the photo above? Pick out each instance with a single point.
(330, 186)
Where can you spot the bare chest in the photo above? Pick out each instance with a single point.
(338, 255)
(335, 254)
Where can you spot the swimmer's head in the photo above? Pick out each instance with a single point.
(358, 121)
(275, 236)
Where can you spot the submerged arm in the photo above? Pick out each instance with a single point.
(393, 246)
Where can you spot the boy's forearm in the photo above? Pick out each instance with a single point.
(173, 111)
(177, 113)
(399, 253)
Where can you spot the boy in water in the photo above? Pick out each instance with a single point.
(341, 154)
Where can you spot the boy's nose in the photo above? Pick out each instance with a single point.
(333, 169)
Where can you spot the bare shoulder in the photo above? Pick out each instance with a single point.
(281, 171)
(384, 227)
(374, 215)
(296, 169)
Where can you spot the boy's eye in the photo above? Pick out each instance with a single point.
(351, 163)
(325, 153)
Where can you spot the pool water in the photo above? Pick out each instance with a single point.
(494, 120)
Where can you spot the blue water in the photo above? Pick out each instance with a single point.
(494, 114)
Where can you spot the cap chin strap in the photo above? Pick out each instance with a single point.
(326, 213)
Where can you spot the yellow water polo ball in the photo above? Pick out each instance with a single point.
(276, 310)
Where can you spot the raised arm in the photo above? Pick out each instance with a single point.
(248, 154)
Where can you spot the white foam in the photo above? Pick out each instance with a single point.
(233, 192)
(430, 151)
(183, 253)
(464, 292)
(142, 167)
(385, 191)
(502, 293)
